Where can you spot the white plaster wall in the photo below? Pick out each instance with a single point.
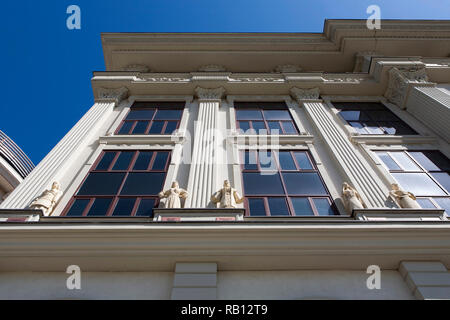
(94, 285)
(292, 285)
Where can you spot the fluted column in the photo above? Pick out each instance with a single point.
(431, 106)
(358, 171)
(203, 174)
(46, 171)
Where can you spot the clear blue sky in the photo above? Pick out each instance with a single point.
(46, 68)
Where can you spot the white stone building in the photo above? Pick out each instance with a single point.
(287, 119)
(14, 165)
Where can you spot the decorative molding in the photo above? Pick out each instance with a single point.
(137, 68)
(209, 94)
(114, 95)
(400, 81)
(212, 68)
(288, 68)
(142, 139)
(305, 94)
(390, 140)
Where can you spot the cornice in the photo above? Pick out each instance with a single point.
(111, 95)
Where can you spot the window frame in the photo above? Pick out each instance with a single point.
(151, 105)
(117, 196)
(286, 194)
(265, 106)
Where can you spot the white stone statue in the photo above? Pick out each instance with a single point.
(47, 200)
(352, 198)
(173, 195)
(228, 197)
(404, 199)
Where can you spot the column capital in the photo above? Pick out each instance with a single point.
(305, 94)
(115, 95)
(209, 94)
(401, 80)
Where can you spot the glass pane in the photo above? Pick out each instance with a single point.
(388, 161)
(443, 178)
(425, 203)
(381, 115)
(303, 183)
(256, 207)
(123, 161)
(140, 128)
(303, 160)
(358, 127)
(389, 128)
(143, 114)
(274, 127)
(143, 160)
(444, 203)
(171, 127)
(102, 183)
(250, 160)
(258, 184)
(302, 207)
(372, 128)
(156, 127)
(353, 115)
(259, 127)
(168, 115)
(125, 129)
(99, 207)
(140, 183)
(145, 208)
(405, 161)
(244, 125)
(278, 207)
(160, 161)
(402, 128)
(323, 206)
(124, 207)
(431, 160)
(267, 160)
(286, 161)
(106, 161)
(289, 127)
(418, 183)
(77, 207)
(248, 115)
(277, 115)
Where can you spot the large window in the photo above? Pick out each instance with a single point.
(424, 173)
(283, 183)
(264, 118)
(121, 183)
(152, 118)
(372, 118)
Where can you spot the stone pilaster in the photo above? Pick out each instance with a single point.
(431, 106)
(203, 174)
(46, 171)
(357, 170)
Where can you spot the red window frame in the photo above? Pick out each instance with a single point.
(151, 106)
(265, 106)
(286, 195)
(115, 198)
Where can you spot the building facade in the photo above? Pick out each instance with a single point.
(335, 147)
(14, 165)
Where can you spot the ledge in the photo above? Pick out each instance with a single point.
(400, 214)
(390, 139)
(141, 139)
(197, 215)
(245, 139)
(20, 215)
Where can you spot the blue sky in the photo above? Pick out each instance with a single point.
(47, 68)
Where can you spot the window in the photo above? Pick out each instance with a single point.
(121, 183)
(424, 173)
(264, 118)
(283, 183)
(372, 118)
(152, 118)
